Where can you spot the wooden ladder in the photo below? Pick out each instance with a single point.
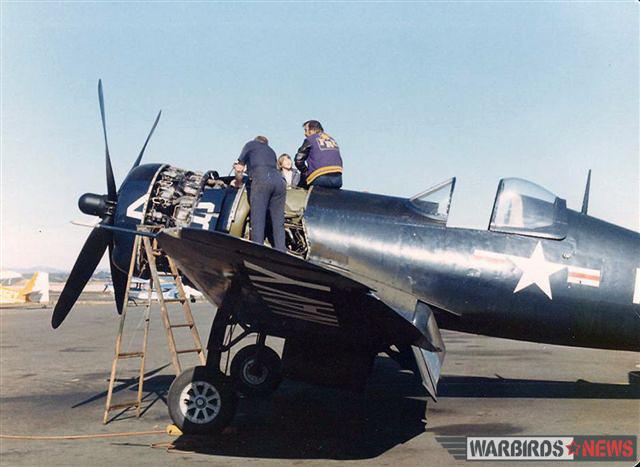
(152, 252)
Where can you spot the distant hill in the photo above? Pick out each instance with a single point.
(102, 275)
(60, 275)
(32, 269)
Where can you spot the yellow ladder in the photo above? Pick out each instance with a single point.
(152, 253)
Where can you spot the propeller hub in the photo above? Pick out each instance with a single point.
(96, 205)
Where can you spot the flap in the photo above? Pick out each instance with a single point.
(429, 361)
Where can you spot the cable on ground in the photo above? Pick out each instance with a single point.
(92, 436)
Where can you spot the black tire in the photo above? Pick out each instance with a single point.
(252, 380)
(203, 386)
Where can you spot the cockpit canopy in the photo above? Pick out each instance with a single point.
(525, 208)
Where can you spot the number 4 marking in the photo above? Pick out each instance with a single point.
(136, 209)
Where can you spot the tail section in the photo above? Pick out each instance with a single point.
(36, 290)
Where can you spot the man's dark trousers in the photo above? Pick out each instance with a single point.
(268, 191)
(329, 181)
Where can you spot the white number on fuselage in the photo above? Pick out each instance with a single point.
(136, 209)
(205, 219)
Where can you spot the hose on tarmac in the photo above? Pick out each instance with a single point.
(92, 436)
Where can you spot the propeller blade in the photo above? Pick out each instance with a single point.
(119, 280)
(111, 182)
(137, 162)
(86, 263)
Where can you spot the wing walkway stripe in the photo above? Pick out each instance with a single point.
(274, 277)
(298, 308)
(299, 313)
(280, 293)
(303, 317)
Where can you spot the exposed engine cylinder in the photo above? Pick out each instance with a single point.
(173, 197)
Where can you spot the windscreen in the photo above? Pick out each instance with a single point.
(436, 201)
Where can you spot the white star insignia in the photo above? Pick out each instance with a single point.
(535, 270)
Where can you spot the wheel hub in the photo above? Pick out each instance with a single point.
(254, 372)
(200, 402)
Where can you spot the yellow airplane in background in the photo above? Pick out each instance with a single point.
(36, 290)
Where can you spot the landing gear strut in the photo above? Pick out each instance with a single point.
(204, 399)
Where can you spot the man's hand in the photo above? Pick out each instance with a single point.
(238, 167)
(216, 183)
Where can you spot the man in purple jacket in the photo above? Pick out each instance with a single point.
(319, 157)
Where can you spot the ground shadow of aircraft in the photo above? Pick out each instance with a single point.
(331, 425)
(483, 387)
(302, 422)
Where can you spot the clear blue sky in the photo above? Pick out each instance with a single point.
(413, 92)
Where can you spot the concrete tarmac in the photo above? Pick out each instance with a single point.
(54, 383)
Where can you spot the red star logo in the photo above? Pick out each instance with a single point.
(573, 448)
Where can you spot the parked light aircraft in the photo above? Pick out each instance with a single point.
(139, 291)
(36, 290)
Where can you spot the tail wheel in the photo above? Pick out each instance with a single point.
(256, 370)
(201, 401)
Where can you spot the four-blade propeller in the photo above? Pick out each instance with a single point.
(99, 239)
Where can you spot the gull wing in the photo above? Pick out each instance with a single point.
(288, 296)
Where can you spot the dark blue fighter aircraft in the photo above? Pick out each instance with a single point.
(364, 274)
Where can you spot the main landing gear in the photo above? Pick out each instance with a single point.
(204, 399)
(201, 401)
(256, 371)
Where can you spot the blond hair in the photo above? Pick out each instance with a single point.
(282, 156)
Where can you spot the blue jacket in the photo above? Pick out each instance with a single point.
(258, 157)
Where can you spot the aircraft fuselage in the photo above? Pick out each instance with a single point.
(578, 291)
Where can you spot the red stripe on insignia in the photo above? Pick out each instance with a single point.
(578, 275)
(490, 259)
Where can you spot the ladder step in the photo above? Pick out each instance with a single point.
(123, 405)
(173, 300)
(189, 350)
(130, 355)
(185, 325)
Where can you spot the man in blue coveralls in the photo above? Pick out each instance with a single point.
(267, 190)
(319, 157)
